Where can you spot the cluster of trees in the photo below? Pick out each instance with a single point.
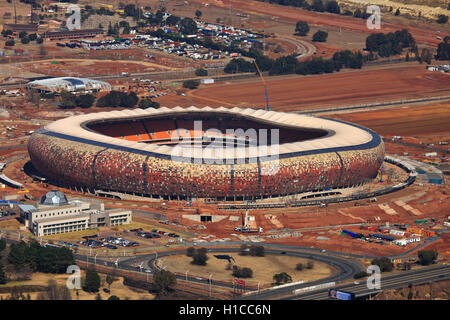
(390, 44)
(443, 51)
(239, 272)
(300, 266)
(40, 259)
(24, 37)
(118, 99)
(442, 18)
(427, 257)
(252, 250)
(198, 256)
(384, 263)
(316, 5)
(70, 101)
(289, 64)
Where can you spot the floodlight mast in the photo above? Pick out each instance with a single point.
(264, 84)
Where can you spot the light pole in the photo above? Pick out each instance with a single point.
(95, 259)
(187, 274)
(258, 286)
(210, 278)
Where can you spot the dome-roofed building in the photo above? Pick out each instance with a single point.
(54, 198)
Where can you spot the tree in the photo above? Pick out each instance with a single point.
(54, 292)
(3, 278)
(85, 100)
(302, 28)
(198, 14)
(32, 36)
(191, 84)
(442, 19)
(318, 6)
(188, 26)
(299, 266)
(201, 72)
(427, 257)
(309, 265)
(282, 277)
(25, 40)
(39, 40)
(92, 281)
(320, 36)
(199, 258)
(360, 275)
(333, 7)
(114, 298)
(109, 280)
(257, 251)
(397, 12)
(172, 20)
(22, 34)
(98, 297)
(426, 56)
(67, 100)
(10, 43)
(384, 263)
(163, 281)
(2, 244)
(443, 51)
(190, 251)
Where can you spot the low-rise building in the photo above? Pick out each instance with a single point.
(55, 214)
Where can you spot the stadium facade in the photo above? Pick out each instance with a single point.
(138, 151)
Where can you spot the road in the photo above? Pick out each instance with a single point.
(346, 268)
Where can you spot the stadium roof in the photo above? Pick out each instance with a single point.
(69, 84)
(343, 136)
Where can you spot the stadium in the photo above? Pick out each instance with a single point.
(154, 153)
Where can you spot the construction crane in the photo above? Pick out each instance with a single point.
(264, 84)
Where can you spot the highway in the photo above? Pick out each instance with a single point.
(416, 277)
(346, 268)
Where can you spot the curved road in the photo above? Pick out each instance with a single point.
(346, 268)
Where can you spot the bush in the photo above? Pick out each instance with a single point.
(309, 265)
(257, 251)
(10, 43)
(148, 103)
(114, 298)
(163, 281)
(190, 251)
(282, 277)
(442, 19)
(299, 266)
(320, 36)
(199, 257)
(92, 281)
(191, 84)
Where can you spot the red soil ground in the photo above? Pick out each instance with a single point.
(344, 88)
(422, 35)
